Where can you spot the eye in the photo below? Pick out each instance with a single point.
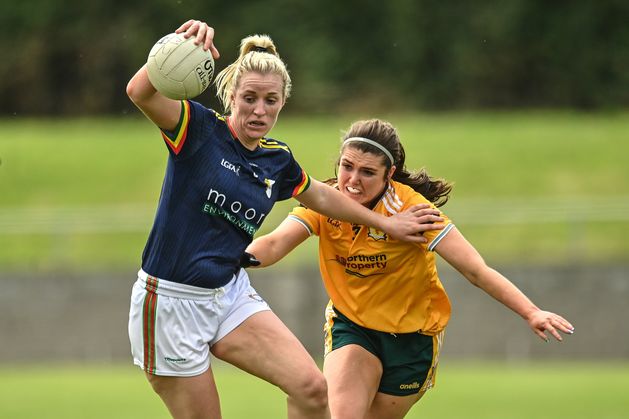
(346, 166)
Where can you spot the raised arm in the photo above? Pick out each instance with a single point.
(405, 226)
(272, 247)
(461, 255)
(165, 112)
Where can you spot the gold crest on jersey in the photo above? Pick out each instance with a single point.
(376, 234)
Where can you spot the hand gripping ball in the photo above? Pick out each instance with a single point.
(178, 68)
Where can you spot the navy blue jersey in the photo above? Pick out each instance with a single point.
(216, 194)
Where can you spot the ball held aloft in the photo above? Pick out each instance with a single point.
(178, 68)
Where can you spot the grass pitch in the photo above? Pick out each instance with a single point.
(464, 390)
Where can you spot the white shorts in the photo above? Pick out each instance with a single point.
(172, 326)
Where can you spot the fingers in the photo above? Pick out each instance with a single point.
(425, 213)
(422, 228)
(185, 26)
(414, 238)
(203, 34)
(210, 44)
(423, 209)
(563, 325)
(430, 218)
(553, 324)
(554, 332)
(541, 334)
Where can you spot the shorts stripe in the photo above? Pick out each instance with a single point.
(149, 316)
(327, 327)
(431, 379)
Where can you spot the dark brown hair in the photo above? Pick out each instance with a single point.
(436, 190)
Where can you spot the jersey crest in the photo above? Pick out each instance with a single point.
(376, 234)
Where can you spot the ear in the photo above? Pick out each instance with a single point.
(391, 171)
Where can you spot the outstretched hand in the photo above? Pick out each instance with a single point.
(545, 321)
(410, 224)
(203, 32)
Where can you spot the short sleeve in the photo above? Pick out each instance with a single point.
(296, 180)
(194, 123)
(433, 236)
(308, 218)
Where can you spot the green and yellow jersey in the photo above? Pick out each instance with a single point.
(376, 281)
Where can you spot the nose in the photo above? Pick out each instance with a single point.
(259, 109)
(353, 178)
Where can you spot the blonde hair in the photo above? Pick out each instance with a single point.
(257, 54)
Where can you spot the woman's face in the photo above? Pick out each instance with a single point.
(256, 103)
(362, 176)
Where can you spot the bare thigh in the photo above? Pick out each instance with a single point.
(353, 375)
(391, 407)
(263, 346)
(188, 397)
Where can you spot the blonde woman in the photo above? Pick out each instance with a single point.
(191, 298)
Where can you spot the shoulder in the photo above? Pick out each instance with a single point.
(308, 218)
(201, 114)
(273, 145)
(399, 196)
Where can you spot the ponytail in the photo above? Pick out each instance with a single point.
(257, 54)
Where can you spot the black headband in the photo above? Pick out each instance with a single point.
(259, 49)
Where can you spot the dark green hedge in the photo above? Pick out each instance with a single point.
(75, 57)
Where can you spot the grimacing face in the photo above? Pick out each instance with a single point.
(256, 104)
(362, 176)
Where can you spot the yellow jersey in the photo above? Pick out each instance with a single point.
(378, 282)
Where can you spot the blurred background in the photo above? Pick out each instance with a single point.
(522, 104)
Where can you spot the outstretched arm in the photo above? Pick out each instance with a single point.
(459, 253)
(405, 226)
(272, 247)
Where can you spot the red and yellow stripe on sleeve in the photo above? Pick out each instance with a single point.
(303, 185)
(179, 135)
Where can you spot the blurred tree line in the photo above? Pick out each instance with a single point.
(75, 57)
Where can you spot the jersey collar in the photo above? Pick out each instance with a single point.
(235, 136)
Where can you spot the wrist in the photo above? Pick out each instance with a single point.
(384, 223)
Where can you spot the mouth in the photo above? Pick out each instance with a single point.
(352, 191)
(256, 124)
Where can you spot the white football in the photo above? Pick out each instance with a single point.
(178, 68)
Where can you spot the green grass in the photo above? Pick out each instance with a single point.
(533, 160)
(464, 390)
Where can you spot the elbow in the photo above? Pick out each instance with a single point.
(133, 92)
(130, 90)
(476, 273)
(139, 88)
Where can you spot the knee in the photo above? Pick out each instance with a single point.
(158, 383)
(312, 391)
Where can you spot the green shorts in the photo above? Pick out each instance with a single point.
(409, 360)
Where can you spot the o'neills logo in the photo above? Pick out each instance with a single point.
(359, 262)
(412, 386)
(245, 219)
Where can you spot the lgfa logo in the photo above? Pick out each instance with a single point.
(230, 166)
